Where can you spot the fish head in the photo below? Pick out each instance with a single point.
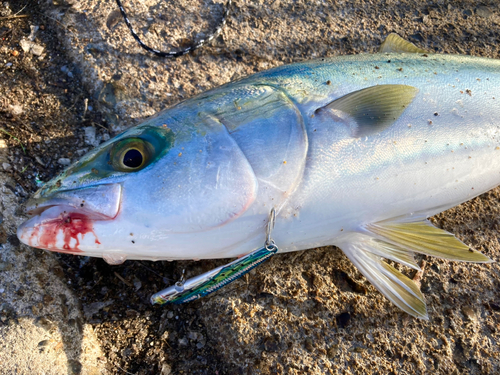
(144, 193)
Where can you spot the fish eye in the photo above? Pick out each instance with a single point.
(132, 154)
(133, 158)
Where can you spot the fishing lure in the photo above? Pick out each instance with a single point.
(209, 282)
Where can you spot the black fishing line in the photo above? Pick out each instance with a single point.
(201, 43)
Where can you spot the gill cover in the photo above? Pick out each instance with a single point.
(203, 182)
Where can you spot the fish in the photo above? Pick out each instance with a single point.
(352, 151)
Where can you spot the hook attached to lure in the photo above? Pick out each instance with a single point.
(211, 281)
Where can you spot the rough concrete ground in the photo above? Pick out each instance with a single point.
(308, 312)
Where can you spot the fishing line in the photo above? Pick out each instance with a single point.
(197, 45)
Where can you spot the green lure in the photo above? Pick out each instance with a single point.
(211, 281)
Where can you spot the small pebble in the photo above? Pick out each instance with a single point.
(6, 166)
(64, 161)
(74, 367)
(90, 137)
(37, 49)
(39, 161)
(469, 312)
(165, 369)
(200, 344)
(137, 284)
(16, 110)
(484, 11)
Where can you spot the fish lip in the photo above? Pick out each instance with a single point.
(101, 202)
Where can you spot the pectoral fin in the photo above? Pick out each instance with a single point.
(398, 288)
(422, 237)
(394, 43)
(370, 110)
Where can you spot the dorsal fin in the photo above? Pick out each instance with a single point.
(394, 43)
(371, 110)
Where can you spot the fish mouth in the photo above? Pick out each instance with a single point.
(101, 202)
(62, 221)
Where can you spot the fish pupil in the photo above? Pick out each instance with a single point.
(133, 158)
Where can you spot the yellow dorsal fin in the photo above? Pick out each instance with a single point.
(394, 43)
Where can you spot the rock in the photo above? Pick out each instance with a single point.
(33, 31)
(6, 166)
(37, 49)
(165, 369)
(16, 109)
(64, 161)
(469, 312)
(484, 11)
(90, 136)
(31, 47)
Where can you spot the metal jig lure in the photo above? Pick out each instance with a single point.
(202, 285)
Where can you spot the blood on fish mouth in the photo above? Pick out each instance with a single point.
(62, 221)
(72, 225)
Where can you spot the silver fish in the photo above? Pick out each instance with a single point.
(352, 151)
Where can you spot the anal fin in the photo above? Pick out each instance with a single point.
(364, 251)
(398, 240)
